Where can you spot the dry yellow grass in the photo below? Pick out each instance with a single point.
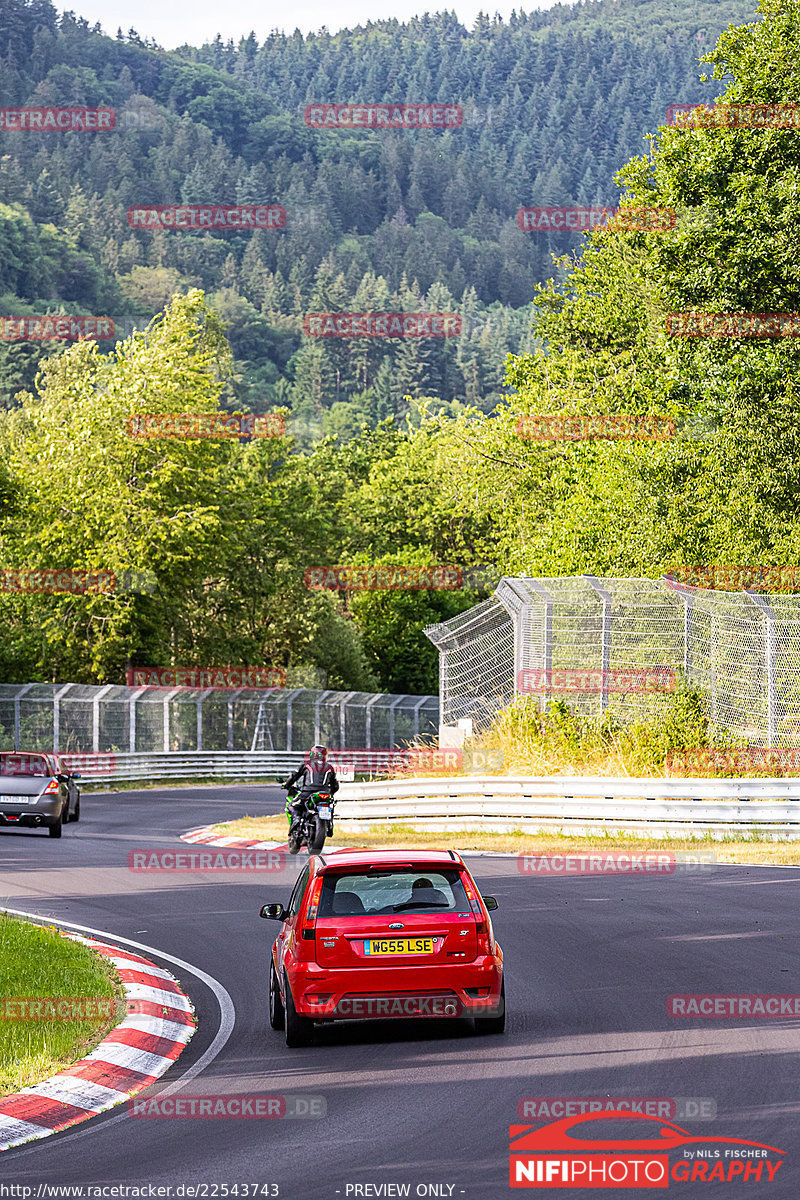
(395, 836)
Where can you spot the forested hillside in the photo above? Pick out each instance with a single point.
(377, 220)
(228, 531)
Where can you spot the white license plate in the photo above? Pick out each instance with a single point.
(18, 799)
(324, 812)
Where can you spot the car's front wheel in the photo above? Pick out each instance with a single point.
(299, 1030)
(277, 1016)
(496, 1023)
(76, 815)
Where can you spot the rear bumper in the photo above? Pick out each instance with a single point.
(44, 812)
(457, 990)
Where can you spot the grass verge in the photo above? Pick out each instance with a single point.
(37, 962)
(390, 836)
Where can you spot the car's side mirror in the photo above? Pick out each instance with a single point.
(62, 778)
(273, 912)
(490, 902)
(76, 775)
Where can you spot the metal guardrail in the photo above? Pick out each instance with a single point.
(581, 805)
(210, 764)
(190, 764)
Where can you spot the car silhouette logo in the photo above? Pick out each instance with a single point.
(557, 1135)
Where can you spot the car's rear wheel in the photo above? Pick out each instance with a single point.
(76, 816)
(277, 1016)
(54, 828)
(496, 1023)
(320, 833)
(299, 1030)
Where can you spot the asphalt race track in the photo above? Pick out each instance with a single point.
(590, 962)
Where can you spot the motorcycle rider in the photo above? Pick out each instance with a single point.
(315, 775)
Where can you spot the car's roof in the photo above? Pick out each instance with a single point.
(390, 858)
(19, 764)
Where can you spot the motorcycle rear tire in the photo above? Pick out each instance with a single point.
(318, 840)
(294, 838)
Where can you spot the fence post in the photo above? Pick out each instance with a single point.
(200, 700)
(57, 717)
(167, 698)
(26, 687)
(327, 692)
(417, 707)
(688, 634)
(606, 637)
(547, 597)
(132, 717)
(397, 700)
(770, 648)
(98, 696)
(231, 699)
(342, 728)
(290, 701)
(374, 700)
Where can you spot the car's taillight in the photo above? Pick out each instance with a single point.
(51, 789)
(313, 908)
(482, 928)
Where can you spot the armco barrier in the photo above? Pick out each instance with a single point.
(190, 764)
(202, 764)
(582, 805)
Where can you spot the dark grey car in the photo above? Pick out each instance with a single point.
(37, 790)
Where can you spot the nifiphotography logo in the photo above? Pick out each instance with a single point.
(622, 1149)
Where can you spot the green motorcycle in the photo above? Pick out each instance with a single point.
(310, 820)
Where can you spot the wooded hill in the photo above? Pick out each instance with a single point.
(377, 220)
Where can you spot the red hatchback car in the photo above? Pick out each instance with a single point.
(380, 934)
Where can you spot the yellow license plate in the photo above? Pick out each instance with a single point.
(382, 947)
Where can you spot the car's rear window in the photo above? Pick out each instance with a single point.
(24, 764)
(378, 892)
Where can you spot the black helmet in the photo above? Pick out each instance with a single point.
(318, 757)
